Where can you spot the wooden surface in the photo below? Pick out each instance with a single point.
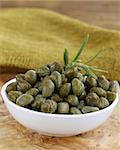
(104, 13)
(13, 136)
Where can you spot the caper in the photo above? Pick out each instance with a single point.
(56, 67)
(72, 73)
(103, 102)
(31, 76)
(56, 98)
(49, 106)
(88, 109)
(33, 91)
(103, 82)
(56, 78)
(80, 76)
(39, 100)
(92, 99)
(114, 86)
(111, 96)
(74, 110)
(91, 82)
(72, 100)
(11, 87)
(24, 100)
(83, 95)
(23, 85)
(99, 91)
(48, 88)
(43, 71)
(63, 108)
(77, 87)
(65, 90)
(20, 76)
(13, 95)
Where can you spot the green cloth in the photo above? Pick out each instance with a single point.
(30, 38)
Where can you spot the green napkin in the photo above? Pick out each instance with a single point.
(30, 38)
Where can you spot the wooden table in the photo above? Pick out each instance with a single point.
(14, 136)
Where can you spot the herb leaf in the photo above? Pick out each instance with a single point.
(92, 58)
(83, 45)
(97, 69)
(76, 62)
(65, 57)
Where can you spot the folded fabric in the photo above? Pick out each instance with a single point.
(30, 38)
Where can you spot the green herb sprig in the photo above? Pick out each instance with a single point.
(78, 63)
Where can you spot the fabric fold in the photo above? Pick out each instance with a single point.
(30, 38)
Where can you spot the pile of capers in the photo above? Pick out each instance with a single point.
(52, 90)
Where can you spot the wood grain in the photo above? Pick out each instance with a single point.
(103, 13)
(14, 136)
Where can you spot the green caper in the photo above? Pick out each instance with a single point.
(91, 82)
(74, 110)
(31, 76)
(92, 99)
(56, 78)
(103, 102)
(49, 106)
(81, 104)
(56, 67)
(11, 87)
(114, 86)
(33, 91)
(111, 96)
(24, 100)
(13, 95)
(20, 76)
(88, 109)
(103, 82)
(56, 98)
(63, 108)
(83, 95)
(72, 100)
(23, 85)
(43, 71)
(99, 91)
(72, 73)
(48, 88)
(65, 90)
(80, 76)
(39, 100)
(77, 87)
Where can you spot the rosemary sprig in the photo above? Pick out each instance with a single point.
(78, 63)
(82, 47)
(87, 70)
(66, 57)
(93, 57)
(75, 59)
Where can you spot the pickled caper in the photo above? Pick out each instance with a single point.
(72, 100)
(77, 87)
(74, 110)
(63, 108)
(103, 82)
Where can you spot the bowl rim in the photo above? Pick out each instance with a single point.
(6, 100)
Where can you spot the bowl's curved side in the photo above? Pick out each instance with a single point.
(56, 125)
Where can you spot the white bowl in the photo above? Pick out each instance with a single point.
(56, 124)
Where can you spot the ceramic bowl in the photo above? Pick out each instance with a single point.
(56, 124)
